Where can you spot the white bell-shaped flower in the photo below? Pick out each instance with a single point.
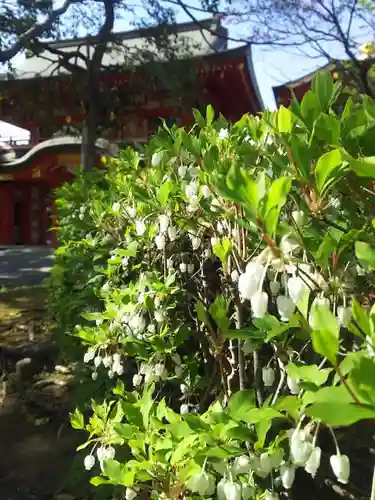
(191, 190)
(268, 376)
(160, 242)
(137, 379)
(190, 268)
(247, 491)
(271, 495)
(234, 275)
(249, 281)
(265, 462)
(248, 347)
(131, 211)
(241, 465)
(232, 491)
(107, 361)
(130, 494)
(184, 388)
(196, 242)
(299, 217)
(184, 409)
(156, 159)
(140, 227)
(313, 463)
(98, 361)
(293, 385)
(259, 304)
(344, 315)
(205, 191)
(116, 207)
(172, 233)
(94, 376)
(313, 317)
(193, 204)
(341, 467)
(160, 316)
(202, 483)
(164, 221)
(296, 288)
(89, 355)
(89, 462)
(223, 134)
(300, 447)
(287, 474)
(183, 267)
(182, 169)
(285, 307)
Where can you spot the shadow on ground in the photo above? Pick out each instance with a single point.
(24, 265)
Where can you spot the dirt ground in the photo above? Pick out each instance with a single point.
(37, 449)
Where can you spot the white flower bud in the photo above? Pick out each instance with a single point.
(160, 242)
(94, 376)
(296, 288)
(89, 462)
(172, 233)
(176, 358)
(234, 275)
(89, 355)
(248, 347)
(159, 370)
(107, 361)
(249, 281)
(275, 287)
(202, 483)
(193, 171)
(344, 315)
(341, 467)
(109, 453)
(111, 373)
(287, 474)
(155, 161)
(207, 253)
(300, 448)
(299, 217)
(285, 307)
(184, 409)
(98, 361)
(193, 204)
(160, 316)
(293, 385)
(313, 317)
(137, 380)
(268, 376)
(140, 227)
(182, 169)
(116, 207)
(170, 264)
(232, 491)
(241, 465)
(205, 191)
(190, 268)
(313, 463)
(130, 494)
(265, 462)
(164, 221)
(191, 190)
(223, 134)
(271, 496)
(196, 242)
(247, 491)
(183, 267)
(259, 304)
(184, 388)
(131, 211)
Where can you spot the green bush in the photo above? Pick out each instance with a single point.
(225, 280)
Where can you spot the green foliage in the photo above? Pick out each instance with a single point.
(216, 282)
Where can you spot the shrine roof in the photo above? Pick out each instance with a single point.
(132, 47)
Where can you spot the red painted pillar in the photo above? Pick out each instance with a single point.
(7, 211)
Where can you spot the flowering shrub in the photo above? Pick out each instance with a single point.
(229, 275)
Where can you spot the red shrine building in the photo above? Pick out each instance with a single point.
(44, 98)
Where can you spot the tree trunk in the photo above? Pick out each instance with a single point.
(89, 125)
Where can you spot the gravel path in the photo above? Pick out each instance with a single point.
(22, 265)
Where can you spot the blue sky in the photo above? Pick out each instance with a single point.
(272, 66)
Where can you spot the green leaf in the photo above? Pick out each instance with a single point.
(98, 481)
(146, 403)
(221, 452)
(326, 169)
(210, 115)
(202, 313)
(184, 447)
(310, 108)
(239, 182)
(276, 199)
(164, 192)
(222, 249)
(284, 120)
(76, 419)
(116, 472)
(240, 404)
(326, 339)
(366, 253)
(126, 431)
(308, 373)
(322, 86)
(361, 318)
(327, 129)
(257, 415)
(340, 414)
(362, 380)
(363, 167)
